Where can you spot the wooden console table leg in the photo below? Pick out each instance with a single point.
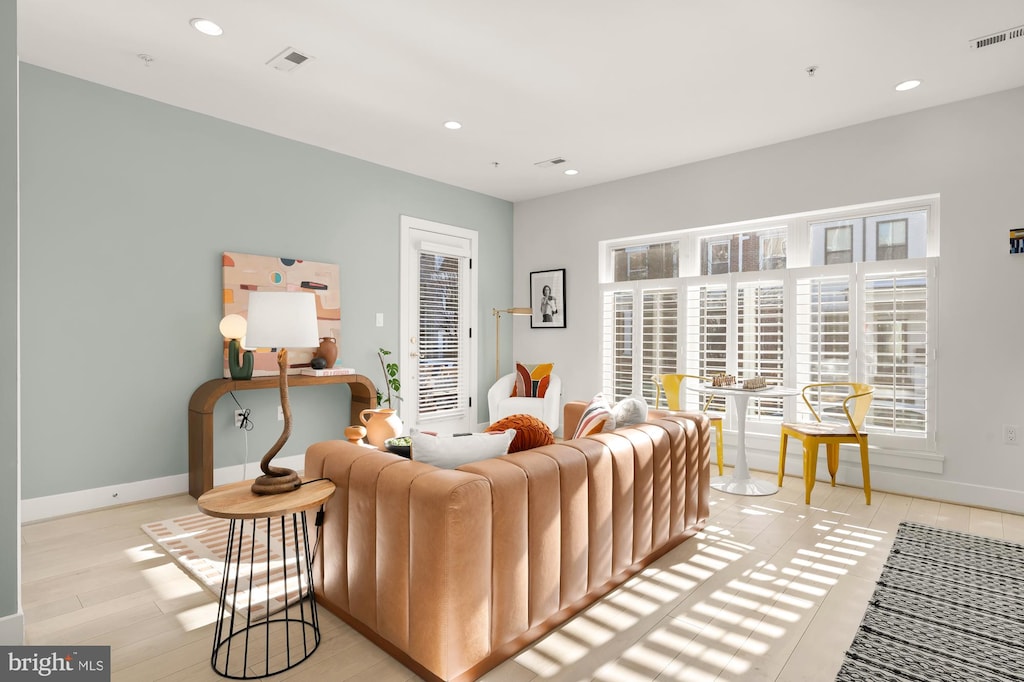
(200, 452)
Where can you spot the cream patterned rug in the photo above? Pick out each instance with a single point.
(199, 542)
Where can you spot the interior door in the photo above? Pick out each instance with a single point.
(437, 347)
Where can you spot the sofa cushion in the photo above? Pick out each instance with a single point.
(597, 417)
(532, 380)
(627, 412)
(448, 452)
(531, 432)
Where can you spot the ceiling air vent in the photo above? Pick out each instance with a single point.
(288, 60)
(550, 162)
(996, 38)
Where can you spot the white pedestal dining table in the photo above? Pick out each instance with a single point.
(739, 481)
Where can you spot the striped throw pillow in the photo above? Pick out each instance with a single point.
(596, 415)
(532, 380)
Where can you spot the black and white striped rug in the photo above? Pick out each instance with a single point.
(948, 606)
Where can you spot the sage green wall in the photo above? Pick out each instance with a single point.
(10, 556)
(127, 205)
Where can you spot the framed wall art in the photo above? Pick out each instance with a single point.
(244, 272)
(547, 299)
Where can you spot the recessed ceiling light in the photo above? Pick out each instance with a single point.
(206, 26)
(571, 171)
(908, 85)
(452, 125)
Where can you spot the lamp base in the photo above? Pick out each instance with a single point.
(285, 482)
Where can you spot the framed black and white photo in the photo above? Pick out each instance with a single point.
(547, 299)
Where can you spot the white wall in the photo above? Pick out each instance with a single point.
(970, 152)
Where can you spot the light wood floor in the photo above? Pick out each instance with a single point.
(771, 590)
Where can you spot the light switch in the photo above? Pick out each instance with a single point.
(380, 319)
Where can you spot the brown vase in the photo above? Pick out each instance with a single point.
(328, 350)
(381, 424)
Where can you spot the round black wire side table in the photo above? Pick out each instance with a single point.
(266, 615)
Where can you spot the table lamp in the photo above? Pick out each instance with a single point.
(279, 319)
(233, 328)
(497, 334)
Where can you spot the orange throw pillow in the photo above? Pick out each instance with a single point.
(530, 432)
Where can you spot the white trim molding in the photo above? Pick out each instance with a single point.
(12, 629)
(51, 506)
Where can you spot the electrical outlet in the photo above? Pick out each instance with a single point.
(1011, 435)
(239, 416)
(280, 413)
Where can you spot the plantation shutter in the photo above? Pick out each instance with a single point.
(759, 335)
(441, 361)
(617, 344)
(895, 312)
(823, 339)
(707, 311)
(660, 337)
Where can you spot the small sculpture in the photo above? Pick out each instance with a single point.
(355, 434)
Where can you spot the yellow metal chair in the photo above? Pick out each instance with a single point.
(669, 384)
(831, 434)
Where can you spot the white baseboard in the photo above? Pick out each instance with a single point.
(39, 508)
(12, 629)
(895, 479)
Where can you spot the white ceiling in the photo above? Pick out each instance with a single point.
(617, 88)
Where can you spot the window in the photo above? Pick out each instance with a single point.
(719, 257)
(618, 344)
(441, 287)
(843, 295)
(759, 339)
(707, 312)
(822, 329)
(773, 252)
(748, 251)
(839, 244)
(660, 334)
(646, 261)
(891, 237)
(896, 235)
(896, 319)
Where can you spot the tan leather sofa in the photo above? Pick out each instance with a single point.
(454, 571)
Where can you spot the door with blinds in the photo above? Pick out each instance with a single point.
(438, 291)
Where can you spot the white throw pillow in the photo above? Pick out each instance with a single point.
(449, 452)
(627, 412)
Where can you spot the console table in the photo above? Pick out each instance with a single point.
(200, 415)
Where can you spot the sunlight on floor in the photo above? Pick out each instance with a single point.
(170, 582)
(677, 622)
(198, 617)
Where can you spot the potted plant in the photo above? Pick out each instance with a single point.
(391, 379)
(383, 423)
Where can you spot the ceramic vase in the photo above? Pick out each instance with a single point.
(328, 350)
(381, 424)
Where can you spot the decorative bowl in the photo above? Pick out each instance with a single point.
(400, 446)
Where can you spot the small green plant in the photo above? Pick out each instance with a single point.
(391, 380)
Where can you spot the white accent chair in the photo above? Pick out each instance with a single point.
(501, 404)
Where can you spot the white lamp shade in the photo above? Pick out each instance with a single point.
(282, 319)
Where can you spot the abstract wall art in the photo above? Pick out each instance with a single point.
(245, 272)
